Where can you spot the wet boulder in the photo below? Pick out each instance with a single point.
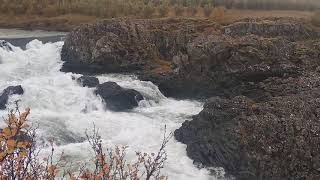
(118, 98)
(5, 45)
(88, 81)
(11, 90)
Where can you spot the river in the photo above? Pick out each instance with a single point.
(64, 110)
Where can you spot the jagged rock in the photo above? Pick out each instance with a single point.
(192, 58)
(265, 123)
(210, 139)
(254, 140)
(125, 45)
(11, 90)
(118, 98)
(88, 81)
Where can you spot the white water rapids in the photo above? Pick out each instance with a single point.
(64, 110)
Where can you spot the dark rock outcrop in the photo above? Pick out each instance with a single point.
(278, 139)
(11, 90)
(88, 81)
(122, 45)
(118, 98)
(211, 140)
(264, 124)
(193, 58)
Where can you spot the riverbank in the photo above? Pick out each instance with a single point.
(69, 21)
(260, 77)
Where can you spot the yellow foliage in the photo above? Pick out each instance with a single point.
(14, 148)
(11, 144)
(7, 132)
(2, 155)
(24, 154)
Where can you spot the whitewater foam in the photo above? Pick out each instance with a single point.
(64, 110)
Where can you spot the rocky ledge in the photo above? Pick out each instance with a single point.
(194, 58)
(278, 139)
(261, 76)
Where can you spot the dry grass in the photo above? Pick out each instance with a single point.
(60, 23)
(315, 19)
(67, 22)
(234, 15)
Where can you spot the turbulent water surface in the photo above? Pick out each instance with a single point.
(64, 110)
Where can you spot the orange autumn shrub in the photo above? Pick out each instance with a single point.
(19, 157)
(18, 153)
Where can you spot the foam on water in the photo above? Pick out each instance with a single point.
(64, 110)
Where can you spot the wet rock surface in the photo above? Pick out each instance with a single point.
(88, 81)
(261, 78)
(118, 98)
(5, 45)
(11, 90)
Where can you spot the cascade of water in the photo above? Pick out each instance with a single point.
(64, 110)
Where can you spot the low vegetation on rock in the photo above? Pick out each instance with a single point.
(20, 159)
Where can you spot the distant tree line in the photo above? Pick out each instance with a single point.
(146, 8)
